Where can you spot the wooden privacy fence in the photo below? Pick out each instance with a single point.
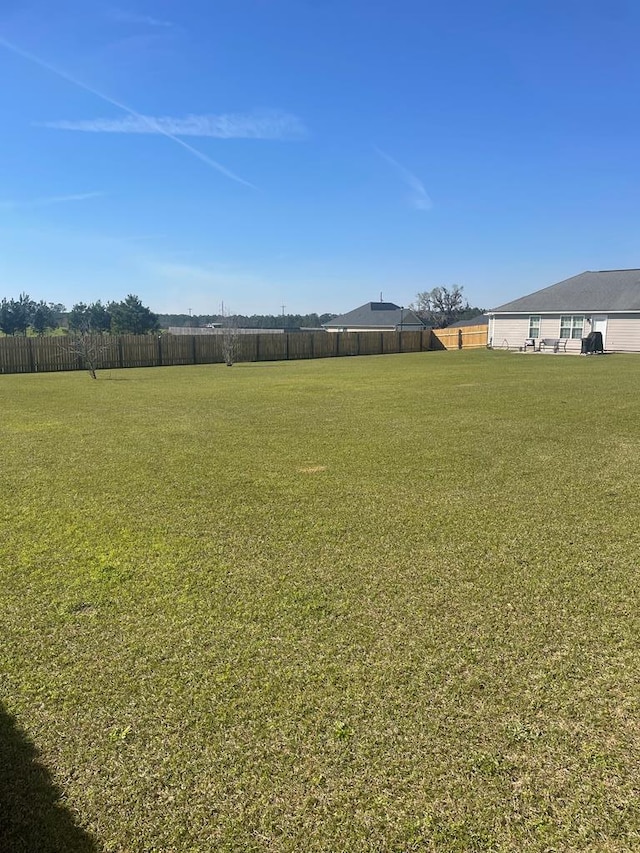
(39, 355)
(465, 337)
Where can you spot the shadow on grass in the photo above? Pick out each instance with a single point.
(32, 819)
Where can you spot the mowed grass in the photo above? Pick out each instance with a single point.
(368, 604)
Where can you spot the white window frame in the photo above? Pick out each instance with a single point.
(534, 326)
(574, 324)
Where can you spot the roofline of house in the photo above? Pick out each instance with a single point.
(565, 311)
(406, 327)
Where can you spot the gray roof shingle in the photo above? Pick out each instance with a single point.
(377, 314)
(600, 291)
(478, 320)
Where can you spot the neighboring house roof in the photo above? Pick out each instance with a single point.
(478, 320)
(601, 291)
(385, 315)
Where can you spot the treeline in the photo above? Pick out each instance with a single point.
(244, 321)
(24, 316)
(19, 315)
(129, 317)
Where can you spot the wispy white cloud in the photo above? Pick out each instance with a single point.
(419, 198)
(121, 106)
(63, 199)
(263, 125)
(125, 16)
(45, 201)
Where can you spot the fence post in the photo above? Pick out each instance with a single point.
(286, 334)
(159, 350)
(30, 352)
(120, 352)
(193, 349)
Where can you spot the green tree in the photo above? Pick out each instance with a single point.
(99, 317)
(6, 317)
(93, 318)
(43, 318)
(16, 314)
(79, 319)
(23, 307)
(132, 317)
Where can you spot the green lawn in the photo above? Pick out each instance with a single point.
(362, 604)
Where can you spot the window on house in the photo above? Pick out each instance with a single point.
(534, 327)
(571, 326)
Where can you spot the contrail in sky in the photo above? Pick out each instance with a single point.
(420, 198)
(45, 201)
(121, 16)
(156, 128)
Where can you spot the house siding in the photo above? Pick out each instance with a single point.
(509, 332)
(622, 335)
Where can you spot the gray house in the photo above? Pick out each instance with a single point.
(376, 317)
(606, 301)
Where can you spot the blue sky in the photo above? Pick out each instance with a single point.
(314, 153)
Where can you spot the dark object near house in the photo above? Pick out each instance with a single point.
(592, 343)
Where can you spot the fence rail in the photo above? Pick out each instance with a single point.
(40, 355)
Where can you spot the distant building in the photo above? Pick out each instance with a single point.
(478, 320)
(376, 317)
